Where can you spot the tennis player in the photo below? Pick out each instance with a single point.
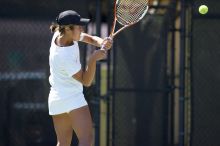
(67, 104)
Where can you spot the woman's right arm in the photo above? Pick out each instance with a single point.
(86, 77)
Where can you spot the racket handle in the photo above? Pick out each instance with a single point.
(103, 46)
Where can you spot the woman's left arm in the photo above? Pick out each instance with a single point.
(95, 40)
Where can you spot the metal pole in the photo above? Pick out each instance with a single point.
(98, 76)
(182, 76)
(173, 31)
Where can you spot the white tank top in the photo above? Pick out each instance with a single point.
(64, 63)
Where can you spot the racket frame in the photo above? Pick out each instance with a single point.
(113, 33)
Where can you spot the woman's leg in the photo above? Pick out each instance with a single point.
(82, 125)
(63, 128)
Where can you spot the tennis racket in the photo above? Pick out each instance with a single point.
(127, 13)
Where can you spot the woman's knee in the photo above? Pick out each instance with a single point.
(86, 139)
(64, 140)
(63, 143)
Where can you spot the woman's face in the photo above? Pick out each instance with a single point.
(75, 31)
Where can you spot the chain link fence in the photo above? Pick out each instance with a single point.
(205, 75)
(23, 79)
(140, 89)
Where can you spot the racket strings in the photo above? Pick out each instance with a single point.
(130, 11)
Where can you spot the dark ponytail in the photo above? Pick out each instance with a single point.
(55, 27)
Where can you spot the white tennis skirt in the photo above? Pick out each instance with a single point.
(65, 105)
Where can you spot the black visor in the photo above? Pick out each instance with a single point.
(71, 17)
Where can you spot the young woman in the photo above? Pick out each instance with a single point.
(67, 104)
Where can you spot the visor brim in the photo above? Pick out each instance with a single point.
(84, 21)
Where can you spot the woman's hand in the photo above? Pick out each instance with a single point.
(98, 55)
(107, 43)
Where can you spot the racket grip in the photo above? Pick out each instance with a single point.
(103, 46)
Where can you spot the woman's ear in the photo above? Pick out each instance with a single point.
(72, 27)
